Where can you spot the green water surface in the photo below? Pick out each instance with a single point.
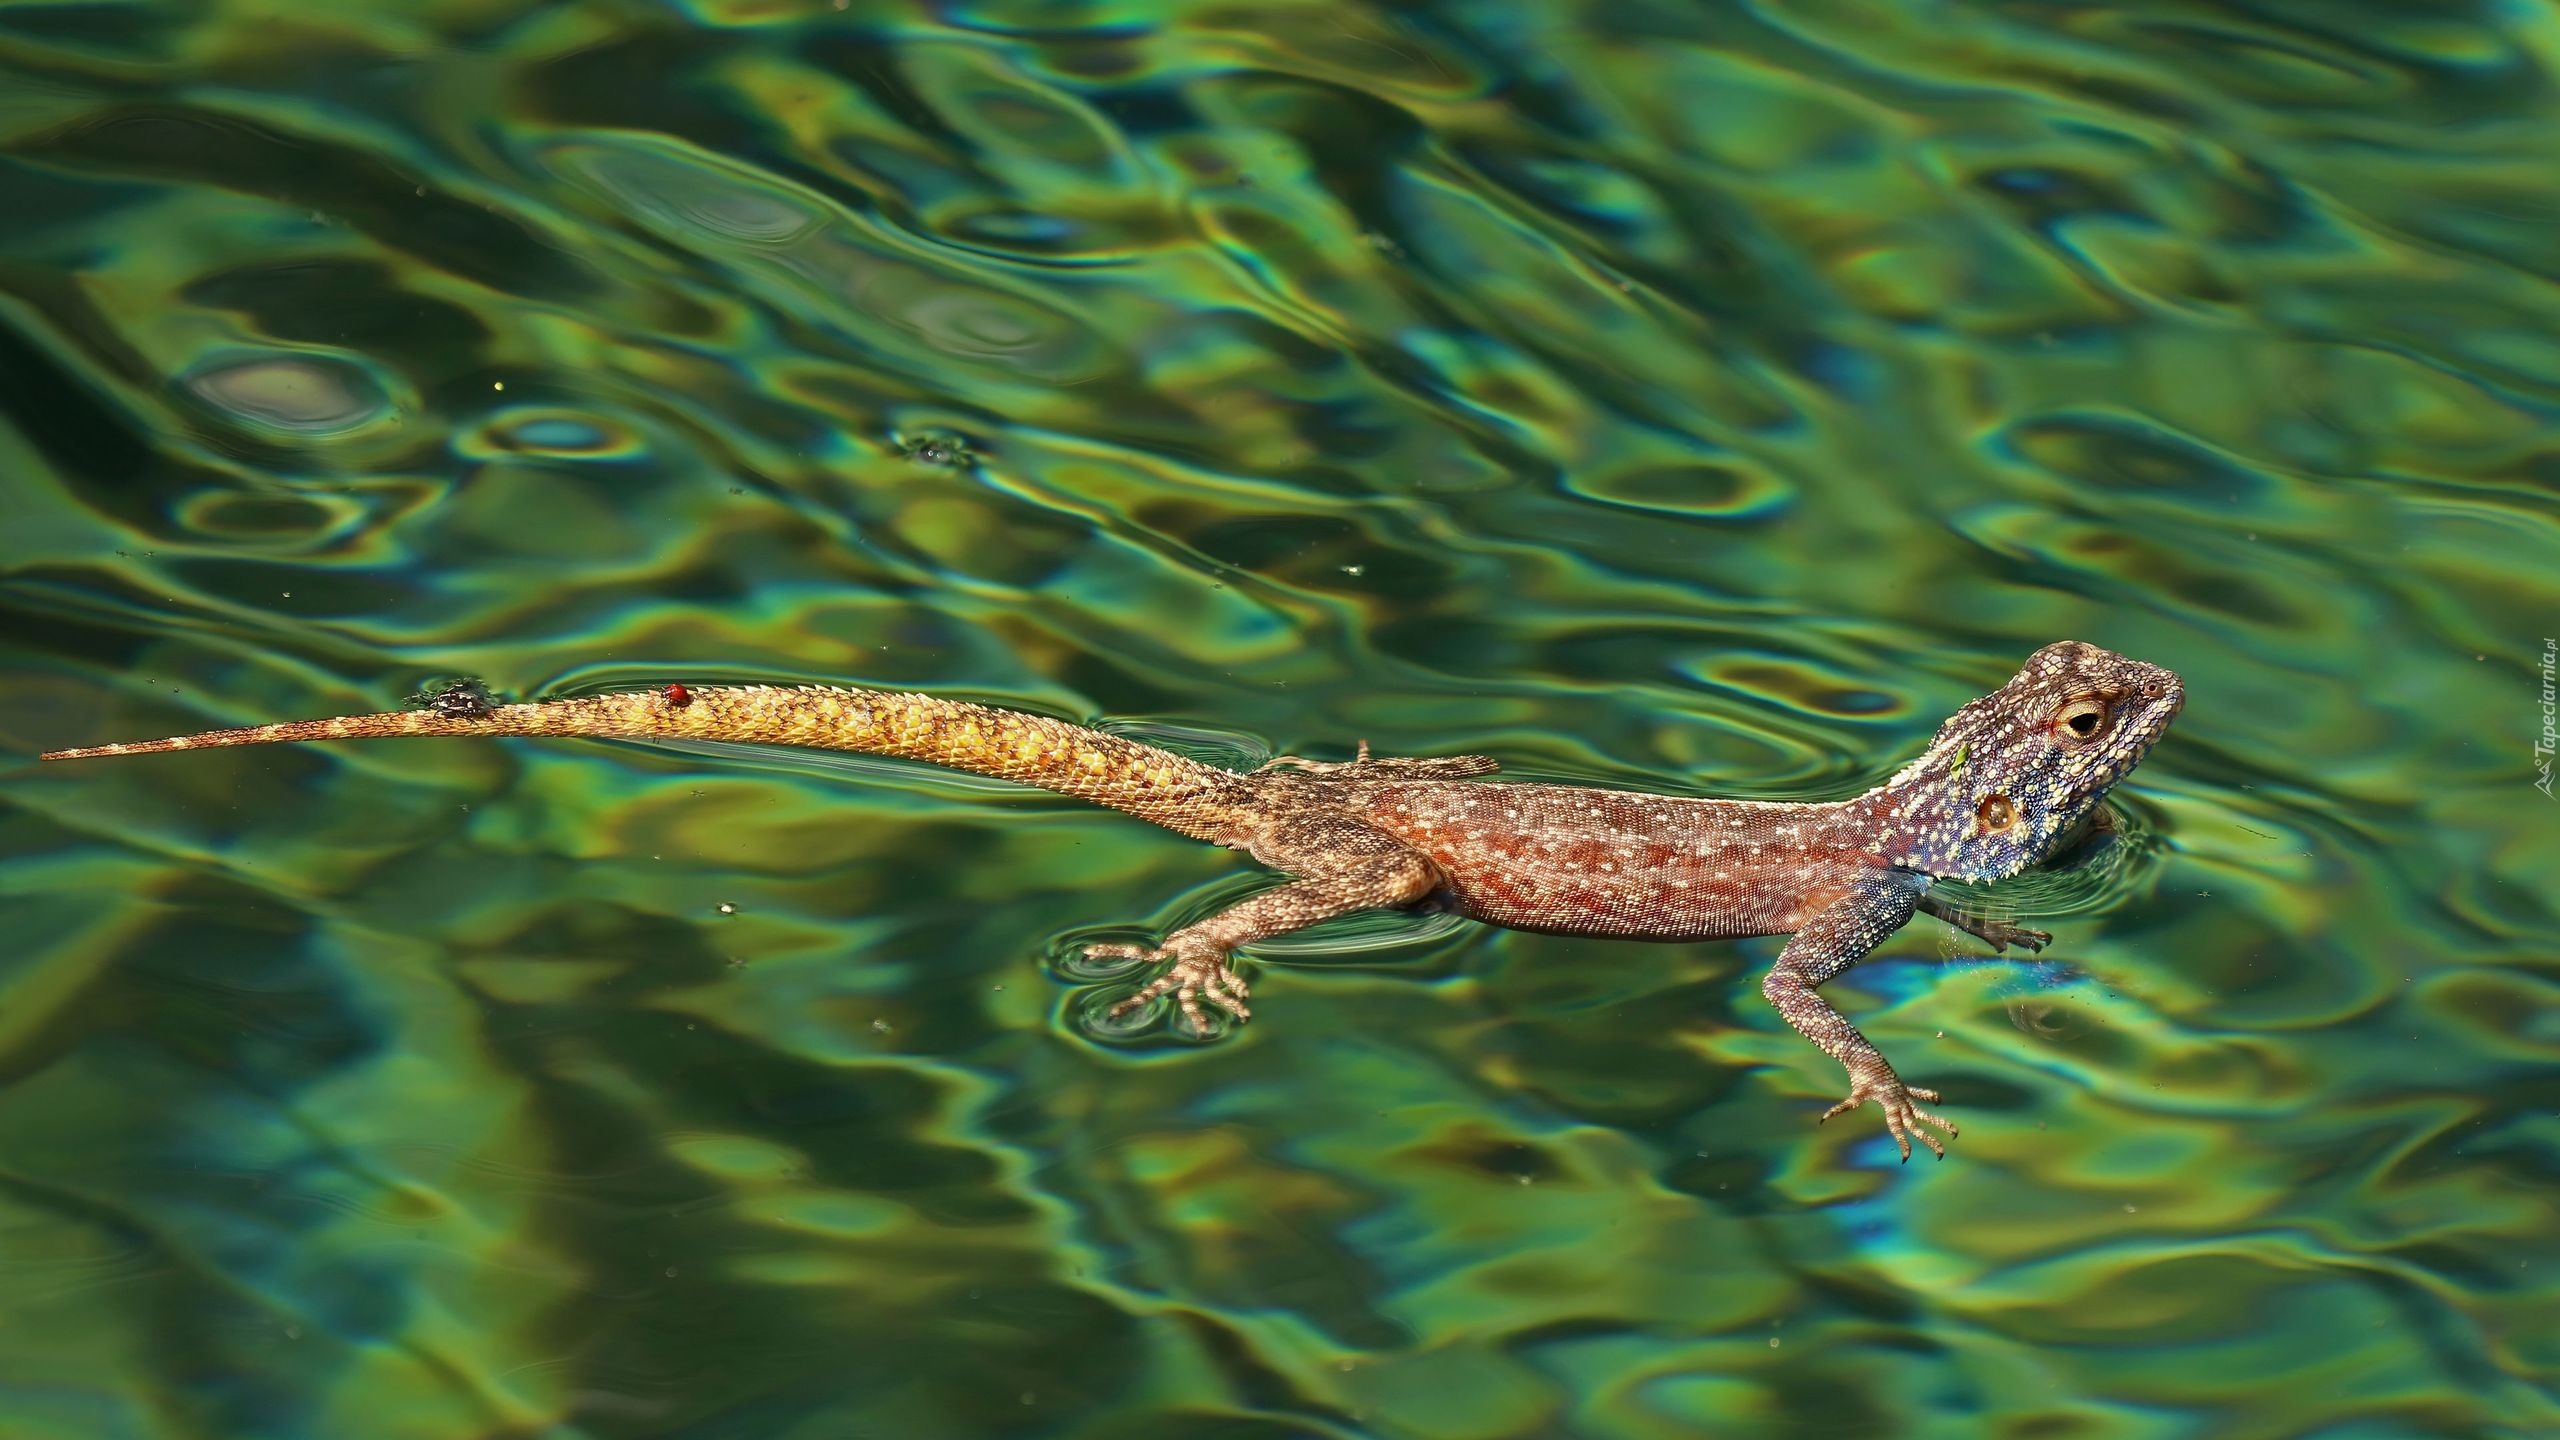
(1701, 396)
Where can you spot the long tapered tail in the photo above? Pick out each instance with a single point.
(1156, 785)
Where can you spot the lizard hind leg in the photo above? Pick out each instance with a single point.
(1342, 867)
(1387, 767)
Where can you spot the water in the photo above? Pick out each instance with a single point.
(1692, 397)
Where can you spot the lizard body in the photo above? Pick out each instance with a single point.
(2005, 778)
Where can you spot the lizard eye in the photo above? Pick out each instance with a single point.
(2080, 720)
(1996, 813)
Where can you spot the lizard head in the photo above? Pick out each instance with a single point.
(2009, 774)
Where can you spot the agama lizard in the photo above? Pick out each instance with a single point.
(2003, 781)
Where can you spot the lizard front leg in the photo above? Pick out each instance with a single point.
(2000, 933)
(1837, 937)
(1343, 866)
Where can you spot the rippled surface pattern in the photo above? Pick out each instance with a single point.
(1701, 396)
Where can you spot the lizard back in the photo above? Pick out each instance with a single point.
(1586, 861)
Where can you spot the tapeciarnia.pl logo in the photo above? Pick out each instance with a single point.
(2549, 739)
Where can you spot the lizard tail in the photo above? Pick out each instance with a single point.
(1180, 794)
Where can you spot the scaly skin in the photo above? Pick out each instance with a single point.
(2000, 786)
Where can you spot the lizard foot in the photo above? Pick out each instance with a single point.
(1190, 979)
(2002, 935)
(1402, 767)
(1901, 1118)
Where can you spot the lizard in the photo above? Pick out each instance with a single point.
(1998, 788)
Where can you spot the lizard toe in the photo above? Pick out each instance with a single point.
(1206, 977)
(1903, 1120)
(1225, 989)
(1160, 985)
(1195, 981)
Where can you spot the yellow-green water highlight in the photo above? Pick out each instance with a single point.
(1689, 396)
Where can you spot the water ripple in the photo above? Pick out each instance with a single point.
(1697, 398)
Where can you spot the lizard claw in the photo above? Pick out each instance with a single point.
(1902, 1119)
(1190, 979)
(1998, 934)
(2002, 935)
